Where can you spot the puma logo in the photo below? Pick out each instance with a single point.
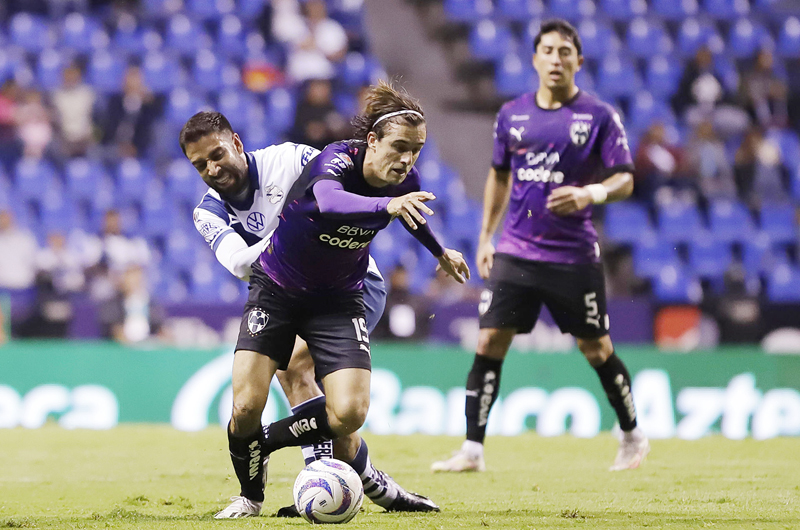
(517, 133)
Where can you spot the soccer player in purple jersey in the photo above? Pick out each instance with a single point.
(308, 283)
(550, 149)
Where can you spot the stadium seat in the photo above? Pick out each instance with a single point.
(281, 105)
(521, 11)
(623, 10)
(467, 11)
(709, 258)
(598, 39)
(184, 36)
(250, 9)
(10, 61)
(572, 10)
(240, 107)
(105, 72)
(159, 9)
(662, 76)
(789, 144)
(49, 68)
(183, 182)
(627, 222)
(617, 78)
(158, 217)
(645, 110)
(779, 222)
(207, 71)
(747, 37)
(651, 255)
(133, 178)
(259, 134)
(490, 41)
(645, 39)
(161, 73)
(789, 39)
(758, 256)
(675, 285)
(231, 39)
(81, 33)
(30, 32)
(31, 176)
(783, 285)
(672, 10)
(182, 105)
(726, 9)
(58, 215)
(513, 76)
(679, 222)
(208, 9)
(180, 250)
(730, 221)
(83, 176)
(128, 37)
(693, 34)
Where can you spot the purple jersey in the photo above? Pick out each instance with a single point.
(313, 252)
(580, 143)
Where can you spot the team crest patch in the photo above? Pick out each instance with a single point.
(579, 132)
(486, 301)
(256, 321)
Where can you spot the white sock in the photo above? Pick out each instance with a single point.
(474, 450)
(635, 435)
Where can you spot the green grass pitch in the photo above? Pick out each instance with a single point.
(142, 476)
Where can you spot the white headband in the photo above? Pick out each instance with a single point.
(397, 113)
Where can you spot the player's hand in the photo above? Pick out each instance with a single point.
(409, 207)
(452, 262)
(568, 199)
(485, 259)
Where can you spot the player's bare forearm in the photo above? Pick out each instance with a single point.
(495, 199)
(619, 186)
(566, 200)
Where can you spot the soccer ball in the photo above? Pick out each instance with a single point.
(328, 491)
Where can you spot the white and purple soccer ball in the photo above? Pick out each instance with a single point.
(328, 491)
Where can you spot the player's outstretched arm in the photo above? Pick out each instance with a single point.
(409, 206)
(569, 199)
(452, 262)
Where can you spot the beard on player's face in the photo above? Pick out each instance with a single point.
(226, 169)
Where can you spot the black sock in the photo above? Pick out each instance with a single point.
(617, 384)
(483, 385)
(247, 455)
(306, 427)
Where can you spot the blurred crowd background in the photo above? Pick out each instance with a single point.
(96, 235)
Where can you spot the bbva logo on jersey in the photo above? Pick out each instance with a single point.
(579, 132)
(257, 320)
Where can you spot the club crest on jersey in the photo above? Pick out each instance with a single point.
(274, 194)
(256, 321)
(255, 221)
(579, 132)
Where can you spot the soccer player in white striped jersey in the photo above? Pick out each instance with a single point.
(236, 217)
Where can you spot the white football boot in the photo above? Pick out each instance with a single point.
(633, 448)
(240, 507)
(468, 458)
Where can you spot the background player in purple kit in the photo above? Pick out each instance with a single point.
(308, 283)
(551, 148)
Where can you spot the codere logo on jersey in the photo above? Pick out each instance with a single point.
(358, 237)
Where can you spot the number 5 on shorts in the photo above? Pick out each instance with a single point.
(592, 312)
(362, 335)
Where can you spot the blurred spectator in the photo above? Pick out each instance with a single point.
(658, 163)
(130, 316)
(759, 169)
(52, 311)
(317, 122)
(10, 147)
(315, 41)
(74, 104)
(737, 310)
(405, 316)
(701, 96)
(445, 291)
(130, 116)
(18, 249)
(62, 263)
(764, 93)
(34, 124)
(707, 161)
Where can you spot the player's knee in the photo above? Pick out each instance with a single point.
(298, 386)
(494, 343)
(347, 415)
(596, 351)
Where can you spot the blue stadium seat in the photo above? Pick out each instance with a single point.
(31, 176)
(513, 76)
(58, 215)
(49, 68)
(679, 222)
(693, 34)
(572, 10)
(789, 39)
(231, 39)
(207, 71)
(250, 9)
(81, 33)
(184, 183)
(211, 283)
(730, 221)
(645, 110)
(258, 134)
(359, 69)
(627, 222)
(675, 285)
(158, 217)
(758, 256)
(779, 223)
(158, 9)
(672, 10)
(521, 11)
(651, 255)
(623, 10)
(467, 11)
(161, 73)
(489, 40)
(128, 37)
(133, 178)
(435, 178)
(645, 39)
(725, 67)
(662, 76)
(105, 72)
(240, 107)
(281, 105)
(184, 36)
(784, 285)
(208, 9)
(617, 78)
(10, 61)
(83, 177)
(598, 39)
(583, 79)
(726, 9)
(747, 37)
(789, 144)
(182, 105)
(181, 250)
(30, 32)
(709, 258)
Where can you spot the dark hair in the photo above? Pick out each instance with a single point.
(564, 28)
(201, 124)
(383, 99)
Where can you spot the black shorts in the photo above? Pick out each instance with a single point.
(334, 326)
(575, 295)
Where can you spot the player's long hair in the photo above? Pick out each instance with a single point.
(202, 124)
(383, 99)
